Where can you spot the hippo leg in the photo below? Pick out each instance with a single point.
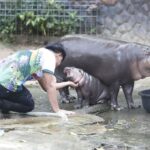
(128, 89)
(65, 95)
(78, 103)
(63, 91)
(83, 99)
(114, 90)
(85, 102)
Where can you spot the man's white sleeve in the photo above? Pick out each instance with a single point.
(48, 61)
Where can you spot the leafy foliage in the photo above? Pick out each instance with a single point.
(7, 29)
(52, 20)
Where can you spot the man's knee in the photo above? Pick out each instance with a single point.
(30, 107)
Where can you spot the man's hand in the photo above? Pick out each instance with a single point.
(72, 84)
(66, 112)
(63, 114)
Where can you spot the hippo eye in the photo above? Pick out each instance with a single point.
(80, 70)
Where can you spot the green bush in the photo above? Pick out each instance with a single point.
(7, 29)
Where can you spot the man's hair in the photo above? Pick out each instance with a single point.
(56, 48)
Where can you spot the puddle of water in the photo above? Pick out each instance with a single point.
(128, 129)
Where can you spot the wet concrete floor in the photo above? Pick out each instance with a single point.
(128, 129)
(122, 130)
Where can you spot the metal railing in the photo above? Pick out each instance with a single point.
(57, 16)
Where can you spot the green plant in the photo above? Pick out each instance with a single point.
(31, 23)
(60, 26)
(93, 31)
(7, 29)
(48, 21)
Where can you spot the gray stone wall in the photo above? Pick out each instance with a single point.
(127, 20)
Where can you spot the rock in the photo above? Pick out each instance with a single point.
(50, 132)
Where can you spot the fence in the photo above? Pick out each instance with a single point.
(47, 18)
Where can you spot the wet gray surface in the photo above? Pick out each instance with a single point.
(126, 129)
(121, 130)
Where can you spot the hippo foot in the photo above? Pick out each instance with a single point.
(77, 106)
(133, 106)
(68, 99)
(64, 100)
(71, 98)
(85, 107)
(116, 108)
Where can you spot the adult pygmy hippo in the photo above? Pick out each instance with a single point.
(90, 90)
(115, 63)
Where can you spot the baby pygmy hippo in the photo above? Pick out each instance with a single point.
(90, 90)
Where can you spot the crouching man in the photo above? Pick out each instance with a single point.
(40, 64)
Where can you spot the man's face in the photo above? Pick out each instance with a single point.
(59, 58)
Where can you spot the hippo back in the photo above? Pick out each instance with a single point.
(108, 60)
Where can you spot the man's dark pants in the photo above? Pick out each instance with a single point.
(20, 101)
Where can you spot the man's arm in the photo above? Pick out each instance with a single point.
(48, 83)
(57, 85)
